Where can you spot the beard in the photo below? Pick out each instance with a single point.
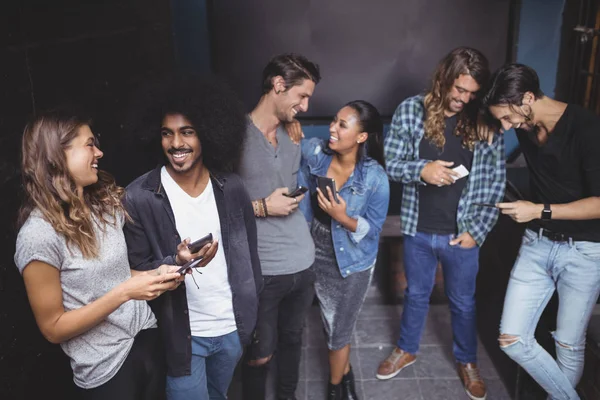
(454, 105)
(528, 127)
(284, 117)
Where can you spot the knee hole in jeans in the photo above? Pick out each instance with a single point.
(507, 340)
(572, 347)
(259, 362)
(564, 346)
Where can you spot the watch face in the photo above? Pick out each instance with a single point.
(546, 214)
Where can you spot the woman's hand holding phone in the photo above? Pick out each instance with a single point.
(168, 270)
(151, 284)
(335, 209)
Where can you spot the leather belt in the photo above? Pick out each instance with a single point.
(556, 236)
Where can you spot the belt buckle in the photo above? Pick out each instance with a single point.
(556, 236)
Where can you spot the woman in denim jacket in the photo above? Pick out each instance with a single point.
(346, 232)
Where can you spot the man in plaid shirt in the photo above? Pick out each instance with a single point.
(443, 213)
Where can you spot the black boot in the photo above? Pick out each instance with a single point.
(348, 389)
(334, 392)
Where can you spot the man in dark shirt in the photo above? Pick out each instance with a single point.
(440, 216)
(207, 320)
(561, 247)
(441, 220)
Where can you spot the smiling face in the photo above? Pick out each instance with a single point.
(290, 102)
(345, 131)
(180, 143)
(82, 158)
(514, 117)
(462, 92)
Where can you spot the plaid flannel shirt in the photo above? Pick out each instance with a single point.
(485, 183)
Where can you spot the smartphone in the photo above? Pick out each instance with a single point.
(461, 170)
(299, 191)
(193, 263)
(485, 205)
(200, 243)
(324, 182)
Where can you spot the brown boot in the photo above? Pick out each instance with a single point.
(396, 362)
(472, 381)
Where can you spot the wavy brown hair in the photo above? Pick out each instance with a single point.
(460, 61)
(50, 188)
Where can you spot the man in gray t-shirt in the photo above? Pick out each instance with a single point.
(285, 245)
(269, 168)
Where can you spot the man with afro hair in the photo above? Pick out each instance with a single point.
(205, 321)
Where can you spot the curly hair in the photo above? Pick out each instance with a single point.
(209, 104)
(460, 61)
(50, 188)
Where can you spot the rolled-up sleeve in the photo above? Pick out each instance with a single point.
(362, 228)
(372, 221)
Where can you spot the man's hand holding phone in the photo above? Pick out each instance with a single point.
(438, 173)
(206, 253)
(280, 205)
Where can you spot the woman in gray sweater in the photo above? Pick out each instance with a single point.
(72, 254)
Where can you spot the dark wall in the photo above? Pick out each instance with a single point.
(382, 51)
(86, 52)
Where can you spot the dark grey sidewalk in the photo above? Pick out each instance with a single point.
(433, 376)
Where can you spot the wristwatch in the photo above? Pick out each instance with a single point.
(547, 212)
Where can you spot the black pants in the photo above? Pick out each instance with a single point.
(283, 304)
(142, 376)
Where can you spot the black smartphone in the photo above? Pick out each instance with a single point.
(200, 243)
(193, 263)
(485, 205)
(299, 190)
(324, 182)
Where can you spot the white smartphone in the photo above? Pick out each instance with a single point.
(461, 170)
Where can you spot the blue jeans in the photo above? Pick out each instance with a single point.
(213, 362)
(422, 253)
(573, 269)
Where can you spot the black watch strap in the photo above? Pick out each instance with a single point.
(547, 212)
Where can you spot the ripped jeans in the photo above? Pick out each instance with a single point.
(571, 268)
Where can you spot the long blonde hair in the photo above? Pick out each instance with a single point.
(460, 61)
(50, 188)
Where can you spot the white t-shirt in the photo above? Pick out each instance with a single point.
(210, 306)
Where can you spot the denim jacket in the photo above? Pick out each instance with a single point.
(367, 195)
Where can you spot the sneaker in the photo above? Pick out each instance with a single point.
(472, 381)
(396, 362)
